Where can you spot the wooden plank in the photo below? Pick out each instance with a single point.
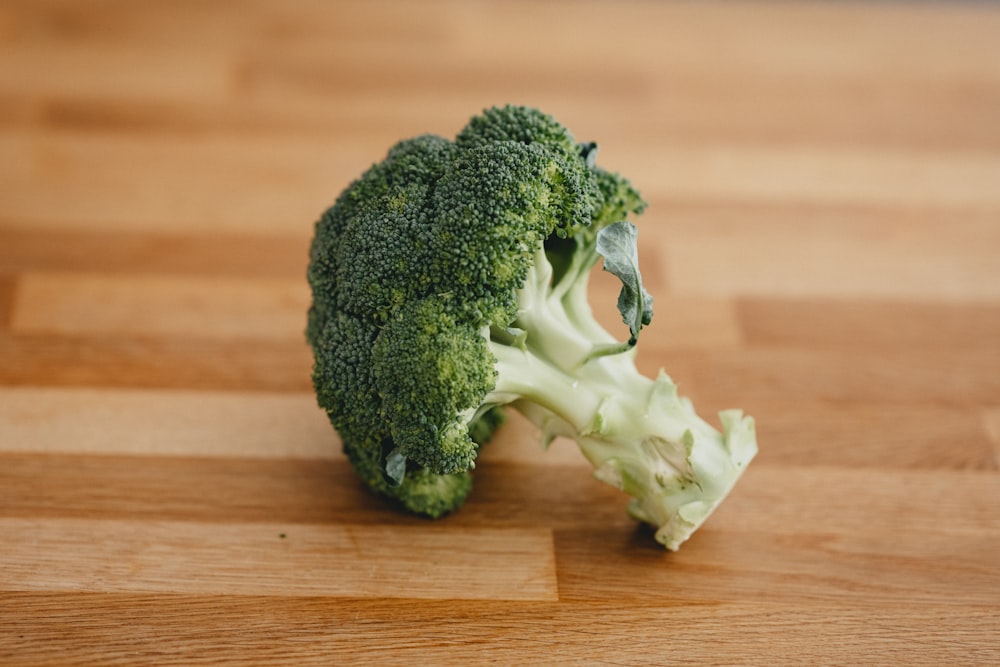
(953, 35)
(723, 378)
(27, 250)
(117, 628)
(859, 176)
(779, 499)
(790, 533)
(770, 499)
(695, 104)
(686, 106)
(872, 434)
(112, 70)
(809, 31)
(241, 183)
(256, 490)
(795, 251)
(860, 569)
(109, 361)
(290, 427)
(870, 323)
(438, 70)
(285, 182)
(730, 93)
(873, 92)
(204, 489)
(164, 423)
(161, 306)
(158, 24)
(80, 555)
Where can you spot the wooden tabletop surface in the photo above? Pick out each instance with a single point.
(822, 240)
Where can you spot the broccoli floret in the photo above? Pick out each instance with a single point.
(450, 281)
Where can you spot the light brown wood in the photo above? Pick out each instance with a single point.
(347, 561)
(822, 242)
(60, 304)
(175, 422)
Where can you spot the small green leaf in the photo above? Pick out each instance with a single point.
(395, 466)
(618, 244)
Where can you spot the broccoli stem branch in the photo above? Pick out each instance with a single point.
(636, 431)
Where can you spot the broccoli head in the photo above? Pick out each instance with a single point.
(450, 281)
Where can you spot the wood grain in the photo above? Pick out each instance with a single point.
(168, 307)
(918, 253)
(152, 254)
(83, 555)
(821, 241)
(168, 422)
(126, 361)
(178, 629)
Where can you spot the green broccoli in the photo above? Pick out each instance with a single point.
(450, 280)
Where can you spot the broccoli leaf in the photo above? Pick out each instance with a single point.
(618, 244)
(395, 466)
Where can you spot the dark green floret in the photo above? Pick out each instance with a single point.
(450, 281)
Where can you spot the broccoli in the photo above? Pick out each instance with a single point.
(450, 280)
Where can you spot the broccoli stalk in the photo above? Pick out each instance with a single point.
(639, 435)
(450, 280)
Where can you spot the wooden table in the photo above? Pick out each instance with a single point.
(823, 241)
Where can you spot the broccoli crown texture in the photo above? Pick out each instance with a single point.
(450, 279)
(416, 257)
